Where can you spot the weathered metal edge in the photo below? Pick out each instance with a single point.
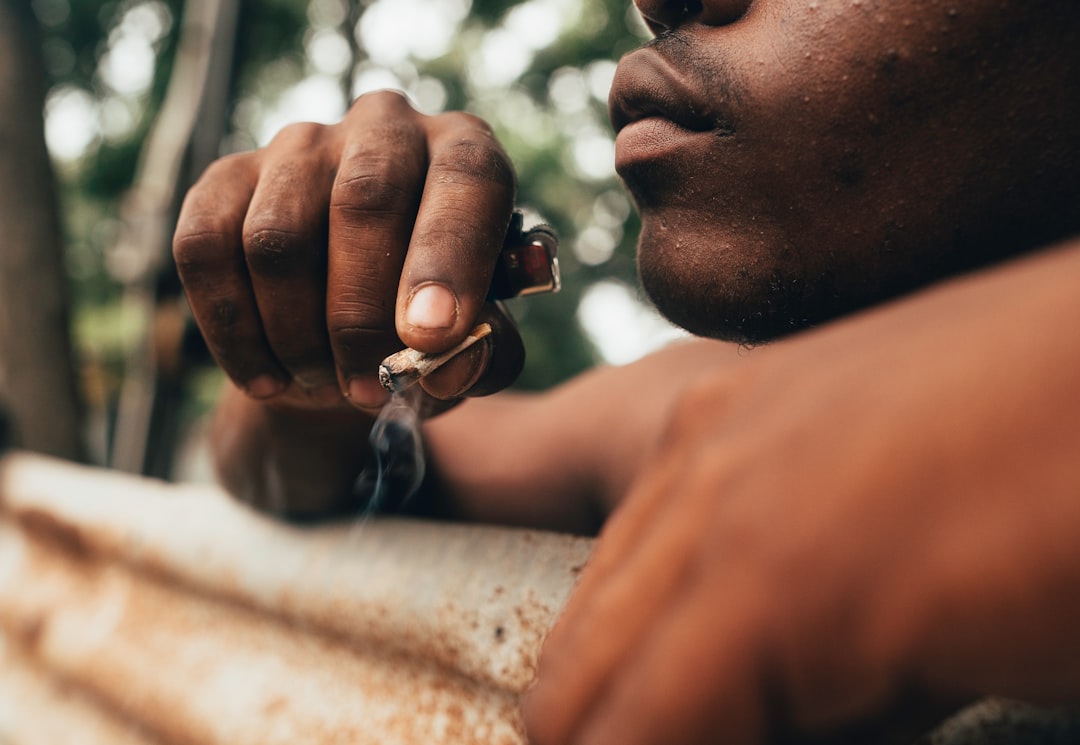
(202, 621)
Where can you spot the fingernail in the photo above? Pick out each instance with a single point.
(264, 386)
(367, 392)
(447, 383)
(432, 306)
(481, 354)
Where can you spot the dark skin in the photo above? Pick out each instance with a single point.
(292, 266)
(825, 537)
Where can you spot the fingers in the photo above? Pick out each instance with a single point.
(372, 208)
(418, 215)
(623, 590)
(460, 227)
(284, 245)
(693, 678)
(208, 249)
(649, 561)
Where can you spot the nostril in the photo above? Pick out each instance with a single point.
(667, 15)
(720, 12)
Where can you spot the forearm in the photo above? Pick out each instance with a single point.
(564, 459)
(297, 464)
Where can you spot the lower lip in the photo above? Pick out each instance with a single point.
(651, 139)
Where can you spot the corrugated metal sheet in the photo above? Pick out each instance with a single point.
(134, 612)
(175, 609)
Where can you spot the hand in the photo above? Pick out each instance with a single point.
(873, 520)
(307, 262)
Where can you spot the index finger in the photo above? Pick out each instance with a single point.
(462, 221)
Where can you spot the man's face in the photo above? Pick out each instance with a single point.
(794, 160)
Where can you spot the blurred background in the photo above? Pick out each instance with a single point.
(112, 109)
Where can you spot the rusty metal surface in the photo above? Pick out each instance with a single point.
(38, 710)
(178, 610)
(138, 613)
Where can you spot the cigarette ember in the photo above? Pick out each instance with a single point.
(405, 368)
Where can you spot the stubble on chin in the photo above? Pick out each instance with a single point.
(719, 287)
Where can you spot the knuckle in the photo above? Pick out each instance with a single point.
(360, 317)
(469, 160)
(372, 178)
(376, 190)
(387, 99)
(464, 121)
(224, 168)
(299, 135)
(276, 251)
(200, 244)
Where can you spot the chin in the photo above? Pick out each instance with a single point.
(741, 290)
(712, 313)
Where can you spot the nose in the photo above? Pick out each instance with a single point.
(666, 15)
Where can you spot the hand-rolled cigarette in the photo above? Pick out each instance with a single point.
(405, 368)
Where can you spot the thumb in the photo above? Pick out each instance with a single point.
(485, 367)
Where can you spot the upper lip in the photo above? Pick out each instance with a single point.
(646, 85)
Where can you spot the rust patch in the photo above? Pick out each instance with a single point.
(29, 630)
(45, 527)
(275, 706)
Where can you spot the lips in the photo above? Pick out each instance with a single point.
(646, 86)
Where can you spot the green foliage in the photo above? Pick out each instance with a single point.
(490, 11)
(269, 31)
(75, 37)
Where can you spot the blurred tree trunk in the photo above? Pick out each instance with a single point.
(37, 379)
(186, 136)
